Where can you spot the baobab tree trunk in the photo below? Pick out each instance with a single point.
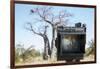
(47, 51)
(53, 48)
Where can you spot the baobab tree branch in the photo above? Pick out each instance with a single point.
(44, 17)
(63, 17)
(30, 28)
(43, 13)
(45, 30)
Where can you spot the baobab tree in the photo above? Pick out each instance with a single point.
(47, 15)
(47, 51)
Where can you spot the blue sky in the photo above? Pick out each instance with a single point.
(22, 16)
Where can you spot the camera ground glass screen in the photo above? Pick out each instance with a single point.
(70, 43)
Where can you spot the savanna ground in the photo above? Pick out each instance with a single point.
(39, 60)
(32, 57)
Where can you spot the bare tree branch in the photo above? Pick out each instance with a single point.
(43, 13)
(30, 28)
(46, 15)
(45, 30)
(63, 17)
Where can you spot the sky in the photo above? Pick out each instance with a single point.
(27, 38)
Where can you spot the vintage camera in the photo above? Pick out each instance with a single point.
(70, 42)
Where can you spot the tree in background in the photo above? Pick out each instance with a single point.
(46, 15)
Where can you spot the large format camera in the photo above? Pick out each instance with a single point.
(70, 42)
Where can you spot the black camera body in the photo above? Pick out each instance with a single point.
(70, 42)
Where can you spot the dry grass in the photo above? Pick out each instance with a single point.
(88, 58)
(39, 60)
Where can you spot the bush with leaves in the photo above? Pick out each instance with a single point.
(91, 49)
(22, 54)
